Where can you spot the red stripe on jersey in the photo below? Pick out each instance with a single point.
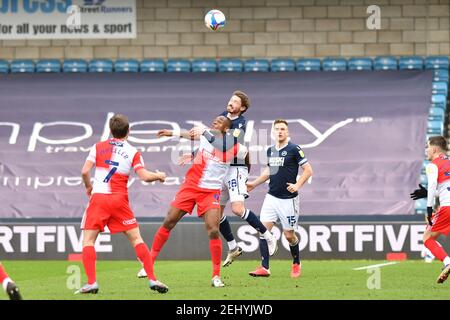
(443, 164)
(104, 152)
(137, 163)
(195, 173)
(228, 155)
(119, 183)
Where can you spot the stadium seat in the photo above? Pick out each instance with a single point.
(440, 75)
(438, 101)
(48, 66)
(436, 62)
(101, 65)
(22, 66)
(278, 65)
(152, 65)
(435, 127)
(436, 114)
(204, 65)
(308, 65)
(385, 63)
(256, 65)
(231, 65)
(410, 63)
(440, 88)
(178, 65)
(75, 65)
(334, 64)
(360, 64)
(126, 65)
(4, 66)
(420, 206)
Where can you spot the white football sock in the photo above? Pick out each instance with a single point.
(446, 260)
(232, 245)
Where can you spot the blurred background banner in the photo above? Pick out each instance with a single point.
(364, 139)
(68, 19)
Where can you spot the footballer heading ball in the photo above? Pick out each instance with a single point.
(214, 19)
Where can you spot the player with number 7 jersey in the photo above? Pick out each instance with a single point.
(114, 160)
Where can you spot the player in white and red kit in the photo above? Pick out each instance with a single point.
(438, 175)
(201, 187)
(8, 285)
(114, 159)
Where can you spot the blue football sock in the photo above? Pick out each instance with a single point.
(225, 229)
(295, 252)
(264, 249)
(254, 221)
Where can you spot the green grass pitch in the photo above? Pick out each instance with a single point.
(190, 280)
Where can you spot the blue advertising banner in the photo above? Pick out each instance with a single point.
(363, 133)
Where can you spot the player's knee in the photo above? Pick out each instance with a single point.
(213, 233)
(238, 209)
(290, 237)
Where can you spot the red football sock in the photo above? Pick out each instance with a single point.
(436, 249)
(89, 260)
(143, 255)
(3, 275)
(215, 246)
(159, 240)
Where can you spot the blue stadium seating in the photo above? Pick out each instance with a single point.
(204, 65)
(385, 63)
(309, 64)
(360, 64)
(334, 64)
(4, 66)
(440, 75)
(440, 88)
(22, 66)
(178, 65)
(279, 65)
(231, 65)
(256, 65)
(438, 101)
(410, 63)
(75, 65)
(436, 62)
(101, 65)
(152, 65)
(420, 206)
(435, 127)
(423, 180)
(48, 66)
(436, 114)
(126, 65)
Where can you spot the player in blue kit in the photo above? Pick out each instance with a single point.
(282, 201)
(234, 188)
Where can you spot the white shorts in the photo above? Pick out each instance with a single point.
(285, 210)
(234, 188)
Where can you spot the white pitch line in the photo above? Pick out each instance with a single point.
(376, 265)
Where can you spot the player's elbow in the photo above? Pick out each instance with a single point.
(85, 173)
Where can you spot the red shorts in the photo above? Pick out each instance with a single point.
(112, 210)
(441, 221)
(188, 196)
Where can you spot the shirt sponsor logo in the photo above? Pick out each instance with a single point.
(276, 161)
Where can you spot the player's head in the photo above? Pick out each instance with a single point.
(239, 103)
(119, 126)
(221, 123)
(280, 130)
(436, 145)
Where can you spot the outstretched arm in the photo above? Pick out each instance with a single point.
(149, 176)
(261, 179)
(170, 133)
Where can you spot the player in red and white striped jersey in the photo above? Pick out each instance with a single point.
(114, 160)
(201, 187)
(438, 175)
